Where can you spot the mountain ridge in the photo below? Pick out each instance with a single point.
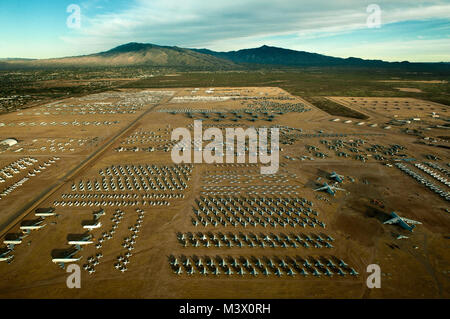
(148, 54)
(270, 55)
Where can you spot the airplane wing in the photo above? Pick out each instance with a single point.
(410, 221)
(392, 221)
(80, 242)
(321, 188)
(337, 188)
(405, 225)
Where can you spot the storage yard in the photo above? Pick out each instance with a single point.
(111, 199)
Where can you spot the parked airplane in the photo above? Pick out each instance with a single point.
(178, 271)
(93, 226)
(12, 243)
(329, 189)
(34, 226)
(82, 242)
(69, 258)
(6, 252)
(338, 178)
(403, 222)
(99, 213)
(6, 258)
(45, 212)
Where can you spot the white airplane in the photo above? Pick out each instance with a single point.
(403, 222)
(93, 226)
(61, 261)
(37, 225)
(48, 213)
(6, 252)
(6, 258)
(69, 258)
(12, 243)
(82, 242)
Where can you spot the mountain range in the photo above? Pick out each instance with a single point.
(140, 54)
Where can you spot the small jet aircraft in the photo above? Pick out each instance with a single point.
(353, 272)
(329, 189)
(291, 272)
(215, 271)
(338, 178)
(278, 272)
(98, 214)
(403, 222)
(229, 271)
(178, 271)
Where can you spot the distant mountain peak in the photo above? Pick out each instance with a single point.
(132, 47)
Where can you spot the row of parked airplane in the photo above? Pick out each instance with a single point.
(266, 266)
(155, 183)
(118, 203)
(129, 242)
(122, 196)
(264, 211)
(12, 240)
(212, 216)
(438, 190)
(78, 244)
(255, 240)
(439, 168)
(15, 168)
(440, 178)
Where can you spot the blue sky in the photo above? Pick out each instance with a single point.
(410, 30)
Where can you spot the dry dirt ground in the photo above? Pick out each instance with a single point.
(415, 267)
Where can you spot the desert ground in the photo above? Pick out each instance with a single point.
(162, 234)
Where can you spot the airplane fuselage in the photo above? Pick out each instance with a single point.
(65, 260)
(31, 227)
(45, 214)
(80, 243)
(90, 227)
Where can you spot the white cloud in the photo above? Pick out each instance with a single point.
(226, 25)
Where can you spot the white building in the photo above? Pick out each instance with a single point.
(9, 142)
